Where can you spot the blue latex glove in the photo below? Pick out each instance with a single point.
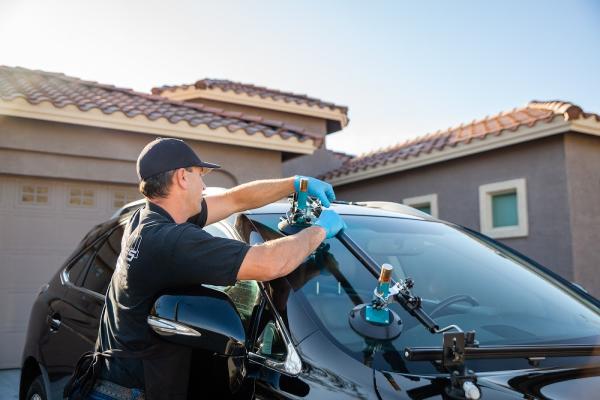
(331, 222)
(316, 188)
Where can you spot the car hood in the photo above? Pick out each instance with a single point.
(552, 383)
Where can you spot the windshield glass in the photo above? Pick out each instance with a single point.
(463, 280)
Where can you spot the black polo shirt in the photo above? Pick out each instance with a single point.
(157, 254)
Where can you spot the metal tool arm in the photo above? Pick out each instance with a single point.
(411, 303)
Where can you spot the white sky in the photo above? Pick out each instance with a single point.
(404, 69)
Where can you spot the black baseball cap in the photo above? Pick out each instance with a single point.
(166, 154)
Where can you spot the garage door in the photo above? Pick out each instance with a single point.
(41, 221)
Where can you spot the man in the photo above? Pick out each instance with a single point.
(164, 247)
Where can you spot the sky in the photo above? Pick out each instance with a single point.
(403, 68)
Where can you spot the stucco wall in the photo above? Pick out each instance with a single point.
(456, 182)
(56, 150)
(321, 161)
(583, 171)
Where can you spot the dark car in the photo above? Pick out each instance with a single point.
(474, 319)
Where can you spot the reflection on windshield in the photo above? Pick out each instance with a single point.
(461, 279)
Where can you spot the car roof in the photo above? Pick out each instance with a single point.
(367, 208)
(375, 208)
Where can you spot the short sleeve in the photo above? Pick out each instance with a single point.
(198, 257)
(200, 218)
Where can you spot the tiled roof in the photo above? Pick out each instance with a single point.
(535, 112)
(252, 90)
(36, 87)
(341, 155)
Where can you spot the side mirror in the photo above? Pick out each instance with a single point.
(202, 318)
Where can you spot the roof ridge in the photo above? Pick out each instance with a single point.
(569, 110)
(208, 83)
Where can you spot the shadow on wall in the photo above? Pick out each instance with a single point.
(221, 178)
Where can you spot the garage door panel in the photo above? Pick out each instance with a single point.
(16, 305)
(35, 240)
(11, 348)
(29, 232)
(29, 270)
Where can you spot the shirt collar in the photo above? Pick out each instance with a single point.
(158, 209)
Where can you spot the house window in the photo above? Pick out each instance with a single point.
(503, 209)
(34, 194)
(81, 197)
(427, 204)
(122, 197)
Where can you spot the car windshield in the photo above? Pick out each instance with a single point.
(462, 279)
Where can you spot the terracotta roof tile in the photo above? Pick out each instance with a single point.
(61, 90)
(253, 90)
(535, 112)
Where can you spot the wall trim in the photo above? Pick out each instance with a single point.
(507, 138)
(72, 115)
(256, 101)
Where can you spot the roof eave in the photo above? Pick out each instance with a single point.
(588, 125)
(71, 114)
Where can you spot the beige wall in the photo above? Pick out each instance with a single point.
(313, 124)
(56, 150)
(583, 172)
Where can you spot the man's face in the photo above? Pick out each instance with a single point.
(196, 187)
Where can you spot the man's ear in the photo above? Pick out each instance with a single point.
(180, 178)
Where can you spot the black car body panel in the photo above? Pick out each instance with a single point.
(64, 324)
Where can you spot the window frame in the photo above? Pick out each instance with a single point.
(125, 192)
(97, 246)
(81, 206)
(35, 204)
(94, 246)
(431, 199)
(486, 194)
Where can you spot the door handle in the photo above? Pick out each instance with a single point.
(54, 322)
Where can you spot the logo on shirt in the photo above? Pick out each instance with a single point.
(134, 250)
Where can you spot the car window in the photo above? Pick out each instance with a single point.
(269, 342)
(77, 269)
(244, 294)
(98, 275)
(462, 279)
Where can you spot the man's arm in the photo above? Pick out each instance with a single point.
(279, 257)
(247, 196)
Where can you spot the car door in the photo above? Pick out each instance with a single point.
(73, 320)
(60, 346)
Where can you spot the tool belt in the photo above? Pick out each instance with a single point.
(118, 392)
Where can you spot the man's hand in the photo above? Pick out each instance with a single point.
(331, 222)
(316, 188)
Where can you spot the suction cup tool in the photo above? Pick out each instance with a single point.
(373, 330)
